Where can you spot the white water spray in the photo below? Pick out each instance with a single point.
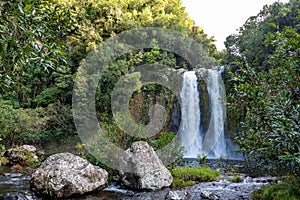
(190, 136)
(212, 143)
(215, 133)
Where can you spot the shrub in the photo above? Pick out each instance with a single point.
(20, 125)
(288, 190)
(267, 105)
(60, 124)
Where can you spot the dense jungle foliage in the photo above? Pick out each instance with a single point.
(264, 86)
(43, 43)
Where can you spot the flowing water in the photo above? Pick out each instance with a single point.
(212, 143)
(215, 133)
(12, 183)
(190, 136)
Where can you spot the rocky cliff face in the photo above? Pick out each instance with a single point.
(142, 101)
(204, 99)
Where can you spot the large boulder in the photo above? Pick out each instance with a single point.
(142, 169)
(65, 174)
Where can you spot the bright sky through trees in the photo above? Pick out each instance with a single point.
(220, 18)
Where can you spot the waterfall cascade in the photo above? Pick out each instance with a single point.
(190, 136)
(212, 142)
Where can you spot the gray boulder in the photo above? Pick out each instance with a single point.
(141, 168)
(65, 174)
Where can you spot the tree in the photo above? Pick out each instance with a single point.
(31, 48)
(249, 44)
(43, 43)
(269, 103)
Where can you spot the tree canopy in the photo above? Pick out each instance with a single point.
(43, 43)
(264, 82)
(251, 45)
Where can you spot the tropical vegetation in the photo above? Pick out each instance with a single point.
(44, 43)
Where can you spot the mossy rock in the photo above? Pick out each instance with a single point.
(24, 155)
(181, 183)
(141, 102)
(4, 161)
(236, 179)
(201, 174)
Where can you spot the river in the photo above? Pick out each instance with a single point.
(16, 186)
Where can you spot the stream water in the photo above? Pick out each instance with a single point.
(12, 183)
(16, 186)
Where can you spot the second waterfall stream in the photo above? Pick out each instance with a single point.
(210, 143)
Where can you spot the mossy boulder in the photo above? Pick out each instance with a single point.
(236, 179)
(25, 155)
(3, 160)
(185, 176)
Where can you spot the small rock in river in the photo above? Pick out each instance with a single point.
(178, 195)
(209, 195)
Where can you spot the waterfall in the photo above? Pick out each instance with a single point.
(215, 134)
(190, 136)
(211, 143)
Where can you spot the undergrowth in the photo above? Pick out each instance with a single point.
(288, 190)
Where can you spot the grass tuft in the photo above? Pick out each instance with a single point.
(236, 179)
(184, 177)
(180, 183)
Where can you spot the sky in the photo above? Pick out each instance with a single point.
(221, 18)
